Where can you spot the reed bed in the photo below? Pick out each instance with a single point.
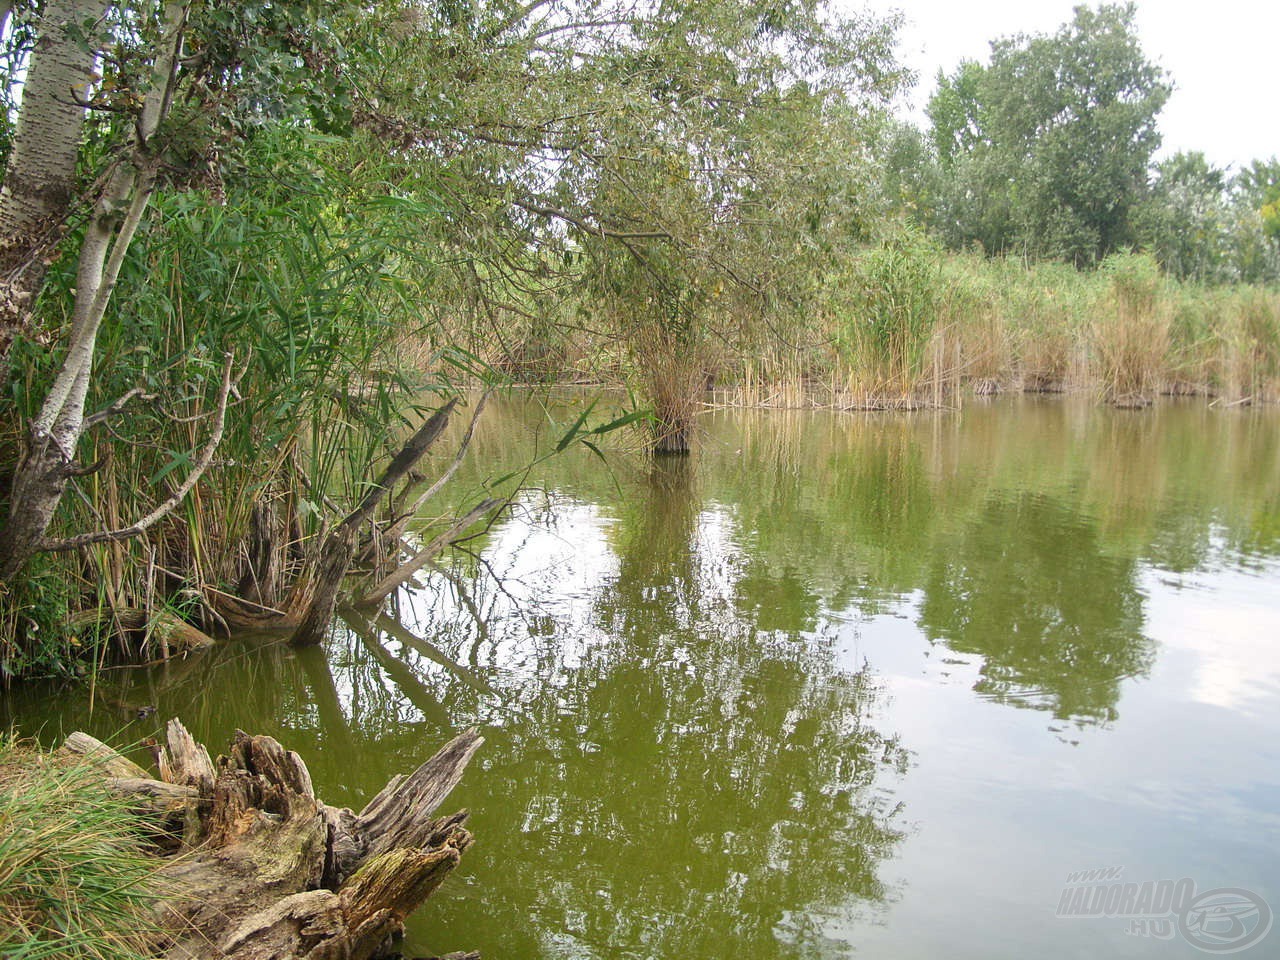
(1124, 333)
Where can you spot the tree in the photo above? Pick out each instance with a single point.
(908, 174)
(1254, 194)
(1270, 211)
(1048, 146)
(40, 176)
(1184, 219)
(682, 174)
(954, 111)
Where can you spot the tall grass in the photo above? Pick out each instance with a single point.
(1130, 337)
(885, 334)
(903, 325)
(74, 879)
(1250, 340)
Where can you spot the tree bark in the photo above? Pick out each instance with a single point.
(40, 177)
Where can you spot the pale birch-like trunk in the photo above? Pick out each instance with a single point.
(42, 475)
(39, 180)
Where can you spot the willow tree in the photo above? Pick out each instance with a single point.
(679, 170)
(47, 142)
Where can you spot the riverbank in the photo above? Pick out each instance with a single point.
(924, 328)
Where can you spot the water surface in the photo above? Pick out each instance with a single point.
(838, 685)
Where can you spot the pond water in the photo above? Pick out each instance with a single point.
(837, 685)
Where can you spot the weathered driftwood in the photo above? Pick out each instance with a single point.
(163, 627)
(109, 762)
(405, 510)
(267, 870)
(339, 547)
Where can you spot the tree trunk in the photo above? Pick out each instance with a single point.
(42, 474)
(671, 434)
(267, 871)
(39, 180)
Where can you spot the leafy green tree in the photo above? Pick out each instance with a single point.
(954, 112)
(1184, 220)
(684, 167)
(177, 81)
(1048, 146)
(1255, 222)
(1270, 212)
(908, 173)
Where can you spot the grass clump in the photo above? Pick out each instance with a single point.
(75, 881)
(1131, 338)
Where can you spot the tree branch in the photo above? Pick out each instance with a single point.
(419, 560)
(168, 506)
(401, 464)
(107, 412)
(398, 527)
(598, 230)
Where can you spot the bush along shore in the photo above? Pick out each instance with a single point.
(233, 858)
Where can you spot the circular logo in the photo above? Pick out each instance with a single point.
(1225, 920)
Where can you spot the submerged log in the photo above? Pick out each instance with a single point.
(267, 870)
(173, 634)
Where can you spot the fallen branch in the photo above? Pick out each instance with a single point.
(339, 547)
(385, 587)
(163, 625)
(396, 530)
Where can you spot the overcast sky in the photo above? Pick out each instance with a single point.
(1222, 56)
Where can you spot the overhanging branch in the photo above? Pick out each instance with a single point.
(595, 229)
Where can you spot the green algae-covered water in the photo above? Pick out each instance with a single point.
(837, 685)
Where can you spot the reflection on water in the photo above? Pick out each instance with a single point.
(1027, 586)
(756, 703)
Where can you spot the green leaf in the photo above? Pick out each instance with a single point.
(574, 431)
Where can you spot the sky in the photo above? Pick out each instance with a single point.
(1221, 56)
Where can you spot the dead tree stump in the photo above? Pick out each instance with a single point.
(267, 871)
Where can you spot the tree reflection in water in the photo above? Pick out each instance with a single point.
(1057, 620)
